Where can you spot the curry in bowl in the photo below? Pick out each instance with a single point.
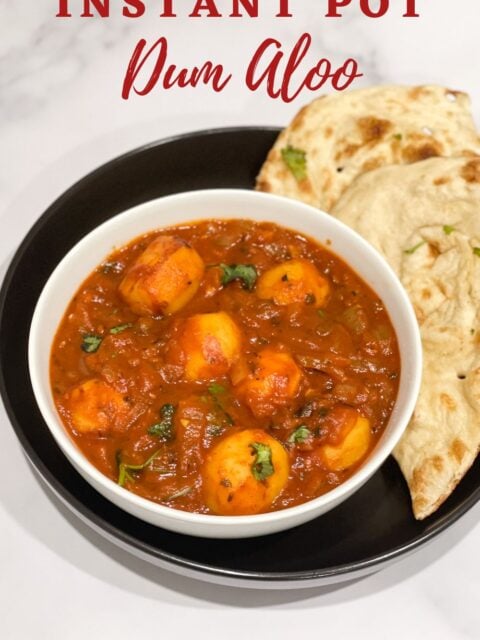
(225, 367)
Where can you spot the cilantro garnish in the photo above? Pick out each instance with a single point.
(414, 248)
(91, 342)
(262, 466)
(121, 327)
(300, 435)
(216, 389)
(164, 428)
(447, 229)
(124, 468)
(244, 272)
(296, 161)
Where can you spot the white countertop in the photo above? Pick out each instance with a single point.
(61, 115)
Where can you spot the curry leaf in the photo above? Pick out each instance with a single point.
(262, 466)
(296, 161)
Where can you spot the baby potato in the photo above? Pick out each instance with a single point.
(95, 406)
(164, 278)
(294, 281)
(355, 438)
(272, 381)
(208, 345)
(244, 473)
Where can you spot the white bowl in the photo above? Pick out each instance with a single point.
(84, 257)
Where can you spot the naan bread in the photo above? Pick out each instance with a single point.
(346, 134)
(425, 219)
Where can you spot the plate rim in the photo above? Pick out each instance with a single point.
(304, 578)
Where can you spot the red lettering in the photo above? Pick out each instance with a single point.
(269, 74)
(349, 70)
(411, 10)
(102, 7)
(281, 86)
(323, 71)
(333, 5)
(138, 9)
(63, 9)
(299, 52)
(135, 66)
(284, 10)
(205, 5)
(208, 73)
(250, 6)
(168, 10)
(185, 78)
(381, 11)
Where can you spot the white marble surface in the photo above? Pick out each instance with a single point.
(60, 116)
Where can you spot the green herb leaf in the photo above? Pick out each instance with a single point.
(164, 428)
(476, 251)
(447, 229)
(91, 342)
(296, 161)
(300, 435)
(414, 248)
(244, 272)
(262, 466)
(216, 389)
(398, 136)
(124, 468)
(120, 327)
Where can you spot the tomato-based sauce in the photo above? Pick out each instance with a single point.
(225, 367)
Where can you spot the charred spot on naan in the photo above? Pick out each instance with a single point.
(416, 153)
(458, 449)
(373, 163)
(373, 129)
(455, 94)
(471, 171)
(416, 93)
(448, 401)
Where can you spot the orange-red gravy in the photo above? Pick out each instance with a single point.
(346, 351)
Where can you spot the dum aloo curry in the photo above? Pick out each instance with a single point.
(225, 367)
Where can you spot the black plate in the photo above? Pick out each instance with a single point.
(369, 530)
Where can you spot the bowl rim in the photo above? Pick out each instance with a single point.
(74, 454)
